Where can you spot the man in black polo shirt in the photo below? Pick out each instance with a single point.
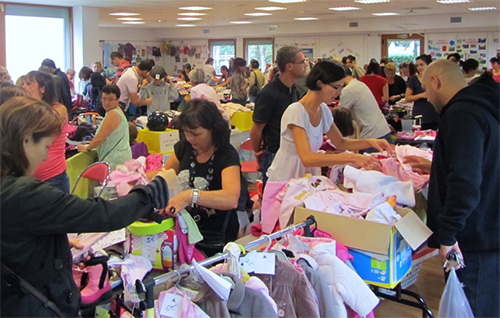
(271, 103)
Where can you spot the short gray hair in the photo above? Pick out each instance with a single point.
(198, 76)
(285, 55)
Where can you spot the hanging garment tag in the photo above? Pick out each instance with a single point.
(218, 284)
(171, 306)
(248, 262)
(265, 263)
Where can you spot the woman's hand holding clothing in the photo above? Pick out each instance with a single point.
(418, 164)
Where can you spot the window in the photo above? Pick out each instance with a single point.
(221, 51)
(260, 50)
(34, 33)
(401, 48)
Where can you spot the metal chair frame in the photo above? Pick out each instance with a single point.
(104, 181)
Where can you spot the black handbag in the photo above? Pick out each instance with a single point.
(254, 90)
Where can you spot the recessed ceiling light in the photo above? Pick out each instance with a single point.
(371, 1)
(287, 1)
(452, 1)
(129, 19)
(189, 19)
(306, 19)
(270, 8)
(483, 8)
(123, 13)
(185, 25)
(195, 8)
(385, 14)
(344, 8)
(258, 14)
(193, 14)
(240, 22)
(159, 21)
(133, 22)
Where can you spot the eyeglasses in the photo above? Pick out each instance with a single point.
(300, 62)
(336, 87)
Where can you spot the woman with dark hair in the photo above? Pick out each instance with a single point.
(41, 85)
(378, 85)
(416, 94)
(206, 161)
(256, 79)
(225, 79)
(84, 76)
(239, 82)
(36, 218)
(305, 122)
(495, 68)
(469, 67)
(112, 136)
(186, 69)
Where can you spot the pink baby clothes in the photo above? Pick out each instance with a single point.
(187, 252)
(344, 203)
(271, 203)
(297, 190)
(132, 171)
(375, 182)
(153, 162)
(189, 309)
(392, 167)
(407, 150)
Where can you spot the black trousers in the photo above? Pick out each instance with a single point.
(481, 279)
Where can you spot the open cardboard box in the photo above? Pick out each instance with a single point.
(382, 253)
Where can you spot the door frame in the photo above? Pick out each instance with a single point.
(402, 36)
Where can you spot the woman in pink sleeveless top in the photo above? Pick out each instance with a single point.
(53, 170)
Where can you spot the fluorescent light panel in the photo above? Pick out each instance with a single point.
(240, 22)
(129, 19)
(371, 1)
(287, 1)
(133, 22)
(258, 14)
(385, 14)
(123, 14)
(306, 19)
(185, 25)
(344, 8)
(452, 1)
(483, 8)
(195, 8)
(192, 14)
(270, 8)
(189, 19)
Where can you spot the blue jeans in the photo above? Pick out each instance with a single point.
(372, 150)
(265, 162)
(60, 182)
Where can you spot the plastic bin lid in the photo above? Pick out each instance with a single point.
(143, 228)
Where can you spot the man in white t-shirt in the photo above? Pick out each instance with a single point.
(209, 69)
(129, 84)
(358, 98)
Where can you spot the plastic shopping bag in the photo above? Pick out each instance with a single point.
(454, 303)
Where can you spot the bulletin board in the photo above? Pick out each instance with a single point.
(467, 47)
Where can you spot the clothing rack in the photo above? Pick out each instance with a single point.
(146, 287)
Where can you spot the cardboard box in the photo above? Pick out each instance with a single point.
(159, 141)
(382, 253)
(157, 242)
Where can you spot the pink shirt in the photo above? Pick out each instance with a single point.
(204, 91)
(56, 160)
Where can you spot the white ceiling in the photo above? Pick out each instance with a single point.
(225, 11)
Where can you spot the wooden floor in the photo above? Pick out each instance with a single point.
(429, 286)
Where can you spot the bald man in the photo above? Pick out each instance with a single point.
(463, 206)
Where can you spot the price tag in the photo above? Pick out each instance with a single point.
(248, 262)
(171, 306)
(149, 247)
(265, 263)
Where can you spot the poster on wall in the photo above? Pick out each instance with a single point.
(308, 52)
(470, 48)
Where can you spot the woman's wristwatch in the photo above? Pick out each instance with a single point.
(195, 194)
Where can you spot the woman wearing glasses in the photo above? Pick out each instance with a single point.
(112, 137)
(305, 122)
